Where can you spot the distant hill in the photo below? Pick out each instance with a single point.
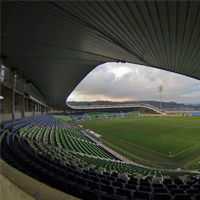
(167, 106)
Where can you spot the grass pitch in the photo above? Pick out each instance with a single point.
(168, 142)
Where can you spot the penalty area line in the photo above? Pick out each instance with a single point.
(185, 150)
(140, 147)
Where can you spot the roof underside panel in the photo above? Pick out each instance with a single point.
(55, 44)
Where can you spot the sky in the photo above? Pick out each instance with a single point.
(131, 82)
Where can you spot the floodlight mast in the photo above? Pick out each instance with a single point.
(160, 90)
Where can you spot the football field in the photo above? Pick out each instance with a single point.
(167, 142)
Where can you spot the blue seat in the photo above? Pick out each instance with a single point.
(161, 196)
(73, 190)
(118, 197)
(156, 185)
(88, 194)
(144, 189)
(131, 187)
(171, 186)
(116, 184)
(160, 190)
(196, 186)
(124, 192)
(177, 191)
(182, 197)
(12, 124)
(108, 189)
(193, 191)
(141, 195)
(93, 185)
(196, 197)
(2, 123)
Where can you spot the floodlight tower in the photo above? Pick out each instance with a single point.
(160, 90)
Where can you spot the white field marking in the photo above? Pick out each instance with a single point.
(169, 156)
(185, 150)
(146, 149)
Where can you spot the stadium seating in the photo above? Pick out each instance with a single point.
(51, 151)
(102, 115)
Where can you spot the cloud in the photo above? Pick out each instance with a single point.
(123, 82)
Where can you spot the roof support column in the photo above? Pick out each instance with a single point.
(23, 99)
(33, 107)
(40, 109)
(13, 79)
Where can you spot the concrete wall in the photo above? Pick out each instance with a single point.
(10, 191)
(6, 116)
(38, 113)
(28, 114)
(18, 115)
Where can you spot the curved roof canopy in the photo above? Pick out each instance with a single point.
(55, 44)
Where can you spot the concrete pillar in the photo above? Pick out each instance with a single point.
(33, 107)
(13, 94)
(30, 105)
(26, 105)
(23, 100)
(41, 109)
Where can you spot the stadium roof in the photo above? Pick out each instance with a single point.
(55, 44)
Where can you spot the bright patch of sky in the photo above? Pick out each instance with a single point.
(131, 82)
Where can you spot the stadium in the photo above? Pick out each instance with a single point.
(51, 149)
